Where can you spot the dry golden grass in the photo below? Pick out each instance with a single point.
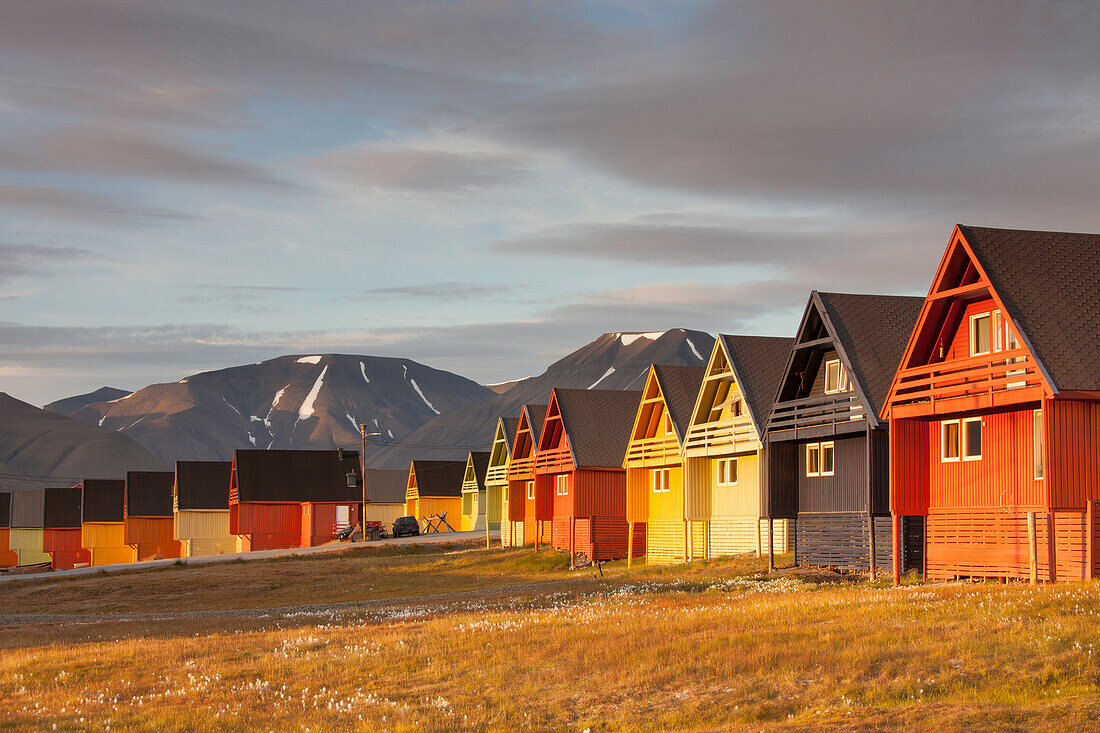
(705, 646)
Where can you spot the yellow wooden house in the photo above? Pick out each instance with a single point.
(26, 537)
(473, 492)
(200, 502)
(496, 479)
(726, 473)
(654, 470)
(102, 526)
(434, 491)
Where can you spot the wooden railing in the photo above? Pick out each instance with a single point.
(497, 474)
(653, 449)
(975, 376)
(549, 459)
(721, 434)
(822, 410)
(521, 467)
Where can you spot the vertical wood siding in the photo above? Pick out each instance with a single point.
(742, 499)
(782, 490)
(152, 537)
(637, 487)
(601, 493)
(268, 526)
(27, 543)
(64, 548)
(205, 532)
(8, 557)
(387, 514)
(1072, 436)
(846, 490)
(909, 466)
(452, 506)
(106, 543)
(698, 475)
(840, 539)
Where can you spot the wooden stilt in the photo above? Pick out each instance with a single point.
(897, 548)
(871, 525)
(629, 544)
(1052, 560)
(1089, 535)
(686, 541)
(759, 543)
(572, 543)
(1033, 548)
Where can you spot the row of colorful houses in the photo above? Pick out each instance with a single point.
(955, 435)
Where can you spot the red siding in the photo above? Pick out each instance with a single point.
(601, 493)
(63, 545)
(322, 517)
(605, 538)
(153, 537)
(1072, 435)
(544, 497)
(960, 342)
(1004, 478)
(517, 500)
(909, 467)
(8, 558)
(268, 526)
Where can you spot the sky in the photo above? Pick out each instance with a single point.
(485, 186)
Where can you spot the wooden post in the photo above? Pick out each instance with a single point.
(363, 479)
(572, 541)
(870, 504)
(1052, 560)
(771, 543)
(871, 523)
(897, 549)
(687, 545)
(1089, 521)
(629, 544)
(759, 543)
(1033, 549)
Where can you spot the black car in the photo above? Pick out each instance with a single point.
(406, 527)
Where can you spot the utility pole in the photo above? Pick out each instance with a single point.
(363, 476)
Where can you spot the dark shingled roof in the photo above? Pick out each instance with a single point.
(5, 509)
(305, 476)
(481, 465)
(679, 387)
(202, 484)
(511, 425)
(386, 486)
(103, 500)
(598, 424)
(758, 363)
(439, 478)
(62, 508)
(149, 493)
(535, 416)
(873, 331)
(1050, 284)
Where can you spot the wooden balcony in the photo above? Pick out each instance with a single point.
(549, 461)
(648, 451)
(991, 380)
(496, 475)
(721, 437)
(817, 416)
(521, 468)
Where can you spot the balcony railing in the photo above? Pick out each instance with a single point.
(497, 474)
(521, 466)
(819, 411)
(660, 448)
(548, 459)
(989, 375)
(722, 434)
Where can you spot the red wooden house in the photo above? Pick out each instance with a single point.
(149, 524)
(995, 408)
(579, 471)
(526, 519)
(61, 528)
(8, 557)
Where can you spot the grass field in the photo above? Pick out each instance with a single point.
(453, 637)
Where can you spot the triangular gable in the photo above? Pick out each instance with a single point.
(410, 486)
(714, 399)
(960, 279)
(473, 478)
(527, 431)
(668, 391)
(596, 424)
(501, 452)
(553, 436)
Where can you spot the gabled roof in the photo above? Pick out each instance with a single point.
(871, 332)
(509, 426)
(149, 493)
(679, 388)
(758, 363)
(480, 463)
(386, 486)
(103, 500)
(296, 475)
(1049, 282)
(202, 484)
(439, 478)
(597, 423)
(535, 415)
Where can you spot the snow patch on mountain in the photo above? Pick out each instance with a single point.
(628, 338)
(608, 373)
(363, 369)
(231, 407)
(693, 349)
(309, 360)
(306, 410)
(429, 404)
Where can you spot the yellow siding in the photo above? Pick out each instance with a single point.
(742, 499)
(205, 533)
(116, 555)
(473, 511)
(667, 504)
(203, 547)
(387, 514)
(637, 495)
(735, 535)
(698, 477)
(27, 543)
(102, 534)
(430, 505)
(665, 541)
(517, 534)
(494, 506)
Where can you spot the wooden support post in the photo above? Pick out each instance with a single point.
(1089, 533)
(1052, 559)
(1033, 549)
(897, 548)
(771, 544)
(759, 543)
(629, 544)
(871, 548)
(572, 543)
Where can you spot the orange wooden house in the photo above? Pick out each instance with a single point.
(526, 525)
(579, 472)
(995, 409)
(150, 525)
(61, 535)
(655, 477)
(8, 557)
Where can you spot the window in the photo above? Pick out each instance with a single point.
(827, 455)
(813, 459)
(1038, 441)
(972, 439)
(1011, 343)
(998, 331)
(668, 424)
(949, 440)
(530, 489)
(820, 459)
(736, 407)
(660, 481)
(836, 378)
(727, 472)
(980, 334)
(561, 483)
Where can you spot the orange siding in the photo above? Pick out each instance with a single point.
(1072, 436)
(63, 545)
(8, 558)
(1004, 478)
(960, 342)
(267, 526)
(154, 537)
(909, 467)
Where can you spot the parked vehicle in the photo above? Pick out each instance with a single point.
(406, 527)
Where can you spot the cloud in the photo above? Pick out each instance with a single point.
(23, 260)
(120, 152)
(444, 292)
(61, 203)
(427, 171)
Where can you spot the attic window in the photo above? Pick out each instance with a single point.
(667, 424)
(836, 377)
(981, 334)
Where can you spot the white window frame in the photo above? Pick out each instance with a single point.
(659, 480)
(973, 344)
(997, 331)
(561, 484)
(944, 458)
(964, 443)
(1010, 336)
(832, 449)
(724, 472)
(829, 363)
(530, 489)
(814, 447)
(666, 423)
(1038, 462)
